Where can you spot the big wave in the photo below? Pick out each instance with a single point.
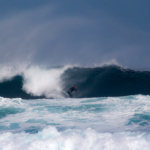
(104, 81)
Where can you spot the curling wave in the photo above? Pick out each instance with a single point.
(91, 82)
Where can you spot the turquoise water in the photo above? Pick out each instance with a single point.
(90, 123)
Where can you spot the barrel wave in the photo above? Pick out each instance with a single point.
(91, 82)
(108, 81)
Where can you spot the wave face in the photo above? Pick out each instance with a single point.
(113, 123)
(107, 81)
(91, 82)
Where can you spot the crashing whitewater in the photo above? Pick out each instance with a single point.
(111, 111)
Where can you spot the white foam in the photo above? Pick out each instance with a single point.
(50, 138)
(38, 81)
(109, 130)
(112, 114)
(46, 82)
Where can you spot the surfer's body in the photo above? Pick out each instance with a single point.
(71, 90)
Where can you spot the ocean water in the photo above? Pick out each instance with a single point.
(106, 123)
(37, 114)
(36, 82)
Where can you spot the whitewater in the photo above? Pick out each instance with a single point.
(111, 111)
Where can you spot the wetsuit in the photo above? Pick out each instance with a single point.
(71, 90)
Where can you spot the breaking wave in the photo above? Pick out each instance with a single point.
(36, 82)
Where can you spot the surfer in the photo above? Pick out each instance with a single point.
(71, 90)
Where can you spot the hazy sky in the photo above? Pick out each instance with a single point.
(84, 32)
